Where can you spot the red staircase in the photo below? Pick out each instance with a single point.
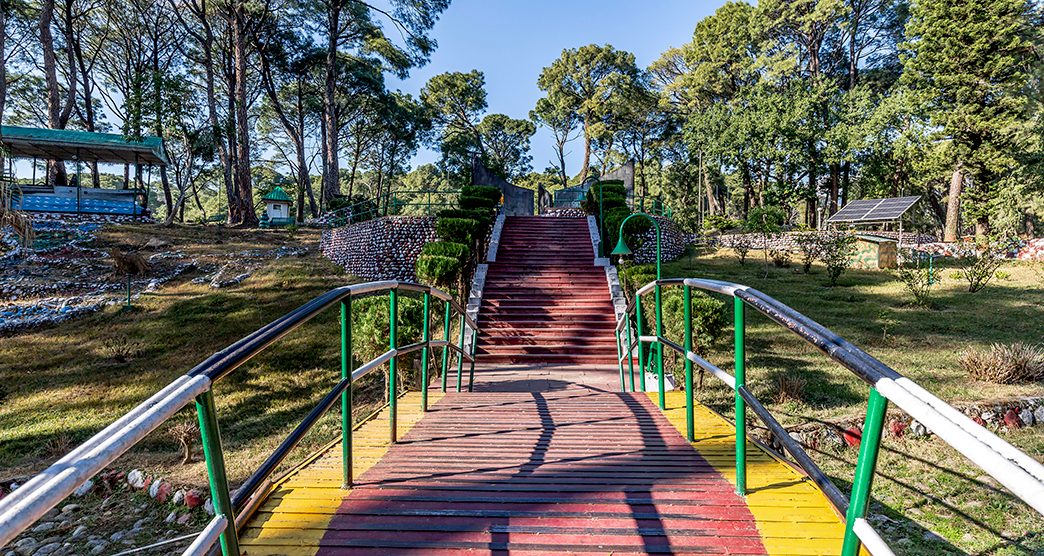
(544, 300)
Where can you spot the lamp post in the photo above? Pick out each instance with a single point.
(622, 249)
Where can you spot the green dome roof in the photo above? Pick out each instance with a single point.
(277, 194)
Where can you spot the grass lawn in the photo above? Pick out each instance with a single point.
(920, 478)
(59, 385)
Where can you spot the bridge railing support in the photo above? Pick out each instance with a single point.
(1022, 475)
(40, 494)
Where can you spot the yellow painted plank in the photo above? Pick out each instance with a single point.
(784, 527)
(294, 517)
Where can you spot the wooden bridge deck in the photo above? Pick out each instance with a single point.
(574, 470)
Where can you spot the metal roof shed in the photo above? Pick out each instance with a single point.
(86, 146)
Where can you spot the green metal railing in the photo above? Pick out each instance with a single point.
(420, 202)
(651, 205)
(1021, 474)
(36, 497)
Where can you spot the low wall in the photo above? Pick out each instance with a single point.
(672, 243)
(384, 248)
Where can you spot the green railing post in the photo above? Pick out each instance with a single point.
(393, 379)
(869, 446)
(741, 406)
(210, 434)
(471, 373)
(659, 349)
(641, 346)
(619, 360)
(630, 355)
(426, 337)
(346, 396)
(460, 355)
(445, 349)
(690, 427)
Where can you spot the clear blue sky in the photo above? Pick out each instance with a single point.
(510, 41)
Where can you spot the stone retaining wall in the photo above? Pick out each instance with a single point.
(384, 248)
(672, 243)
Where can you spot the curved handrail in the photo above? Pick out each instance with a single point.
(1022, 475)
(47, 489)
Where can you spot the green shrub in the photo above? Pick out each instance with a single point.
(1005, 363)
(721, 223)
(475, 202)
(488, 192)
(614, 186)
(457, 230)
(918, 281)
(836, 253)
(633, 232)
(438, 270)
(447, 249)
(481, 215)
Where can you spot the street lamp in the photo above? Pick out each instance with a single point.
(620, 250)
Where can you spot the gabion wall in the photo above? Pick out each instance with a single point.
(380, 249)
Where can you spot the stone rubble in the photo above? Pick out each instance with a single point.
(63, 276)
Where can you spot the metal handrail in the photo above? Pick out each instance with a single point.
(1022, 475)
(46, 490)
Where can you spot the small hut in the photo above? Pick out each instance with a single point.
(278, 207)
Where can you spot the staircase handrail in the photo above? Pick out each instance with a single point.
(43, 492)
(1022, 475)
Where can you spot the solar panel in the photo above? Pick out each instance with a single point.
(874, 210)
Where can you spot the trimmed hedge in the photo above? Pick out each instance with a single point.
(633, 231)
(457, 251)
(457, 230)
(438, 270)
(488, 192)
(611, 187)
(475, 202)
(476, 214)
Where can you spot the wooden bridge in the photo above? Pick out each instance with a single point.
(546, 456)
(550, 446)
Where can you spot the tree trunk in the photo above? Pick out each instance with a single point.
(55, 169)
(835, 188)
(331, 166)
(243, 186)
(587, 154)
(953, 205)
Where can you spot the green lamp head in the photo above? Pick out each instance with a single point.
(621, 247)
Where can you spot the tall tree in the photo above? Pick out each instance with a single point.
(970, 63)
(554, 113)
(506, 142)
(456, 101)
(589, 79)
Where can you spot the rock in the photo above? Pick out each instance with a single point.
(1011, 419)
(179, 496)
(160, 490)
(832, 439)
(26, 546)
(208, 507)
(988, 416)
(184, 519)
(171, 517)
(155, 243)
(100, 548)
(852, 436)
(796, 436)
(1038, 415)
(917, 429)
(193, 499)
(118, 536)
(70, 508)
(1026, 416)
(136, 479)
(83, 489)
(897, 427)
(79, 532)
(929, 536)
(47, 549)
(45, 527)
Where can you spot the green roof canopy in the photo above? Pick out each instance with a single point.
(278, 194)
(67, 144)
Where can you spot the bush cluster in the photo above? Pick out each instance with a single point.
(1005, 363)
(455, 250)
(438, 270)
